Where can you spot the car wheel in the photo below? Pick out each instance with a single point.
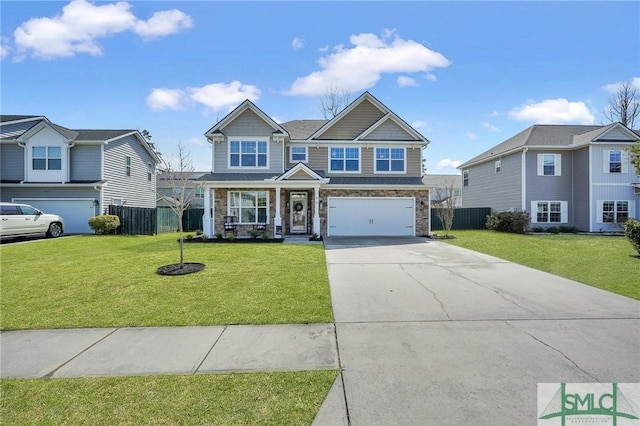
(55, 230)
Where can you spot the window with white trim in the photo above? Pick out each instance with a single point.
(344, 159)
(298, 154)
(127, 165)
(615, 161)
(498, 166)
(249, 207)
(465, 178)
(149, 171)
(390, 160)
(46, 157)
(248, 153)
(549, 165)
(615, 211)
(549, 211)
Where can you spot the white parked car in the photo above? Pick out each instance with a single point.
(22, 219)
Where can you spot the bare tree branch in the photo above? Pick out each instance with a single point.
(332, 101)
(624, 105)
(444, 203)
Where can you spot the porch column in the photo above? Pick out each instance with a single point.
(277, 220)
(207, 217)
(316, 210)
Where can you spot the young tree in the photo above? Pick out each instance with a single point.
(332, 101)
(444, 203)
(624, 105)
(634, 154)
(177, 171)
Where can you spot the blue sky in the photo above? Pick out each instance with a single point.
(467, 75)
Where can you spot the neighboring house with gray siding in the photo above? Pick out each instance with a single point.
(74, 173)
(359, 173)
(567, 175)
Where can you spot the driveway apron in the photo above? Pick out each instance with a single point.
(430, 333)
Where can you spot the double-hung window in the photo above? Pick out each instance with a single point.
(550, 211)
(298, 154)
(615, 161)
(615, 211)
(46, 157)
(249, 206)
(344, 159)
(498, 166)
(465, 178)
(127, 165)
(390, 160)
(248, 153)
(549, 165)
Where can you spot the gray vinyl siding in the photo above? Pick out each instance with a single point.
(617, 134)
(11, 162)
(25, 191)
(500, 191)
(85, 163)
(353, 124)
(248, 124)
(551, 188)
(135, 190)
(389, 131)
(318, 158)
(580, 212)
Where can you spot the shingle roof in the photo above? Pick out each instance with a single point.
(376, 180)
(236, 176)
(302, 129)
(537, 135)
(100, 135)
(5, 118)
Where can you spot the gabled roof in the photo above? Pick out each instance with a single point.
(301, 168)
(538, 135)
(384, 115)
(22, 124)
(302, 129)
(246, 105)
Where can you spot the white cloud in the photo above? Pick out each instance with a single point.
(404, 81)
(161, 99)
(215, 96)
(472, 136)
(447, 164)
(297, 43)
(197, 141)
(613, 87)
(361, 66)
(431, 77)
(81, 24)
(421, 125)
(490, 126)
(219, 96)
(554, 111)
(5, 49)
(163, 23)
(324, 49)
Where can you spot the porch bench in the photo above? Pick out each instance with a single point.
(230, 225)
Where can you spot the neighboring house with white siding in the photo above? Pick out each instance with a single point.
(74, 173)
(568, 175)
(359, 173)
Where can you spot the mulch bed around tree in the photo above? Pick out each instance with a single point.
(177, 269)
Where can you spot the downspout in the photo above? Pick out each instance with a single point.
(524, 179)
(69, 146)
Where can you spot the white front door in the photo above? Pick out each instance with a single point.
(298, 206)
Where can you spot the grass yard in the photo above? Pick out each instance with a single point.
(290, 398)
(110, 281)
(606, 262)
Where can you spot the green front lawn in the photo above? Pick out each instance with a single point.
(110, 281)
(291, 398)
(606, 262)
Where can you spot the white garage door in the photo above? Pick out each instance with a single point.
(74, 211)
(371, 216)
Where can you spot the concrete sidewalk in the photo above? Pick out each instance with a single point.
(166, 350)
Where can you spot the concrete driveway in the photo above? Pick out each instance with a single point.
(429, 333)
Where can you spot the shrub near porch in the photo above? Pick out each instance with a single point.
(108, 281)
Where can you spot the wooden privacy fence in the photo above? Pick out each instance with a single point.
(150, 221)
(463, 218)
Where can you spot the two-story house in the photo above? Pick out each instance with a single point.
(568, 175)
(356, 174)
(76, 174)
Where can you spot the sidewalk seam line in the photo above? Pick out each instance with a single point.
(210, 349)
(52, 372)
(344, 389)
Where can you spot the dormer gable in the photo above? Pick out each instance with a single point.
(47, 153)
(301, 172)
(246, 108)
(613, 133)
